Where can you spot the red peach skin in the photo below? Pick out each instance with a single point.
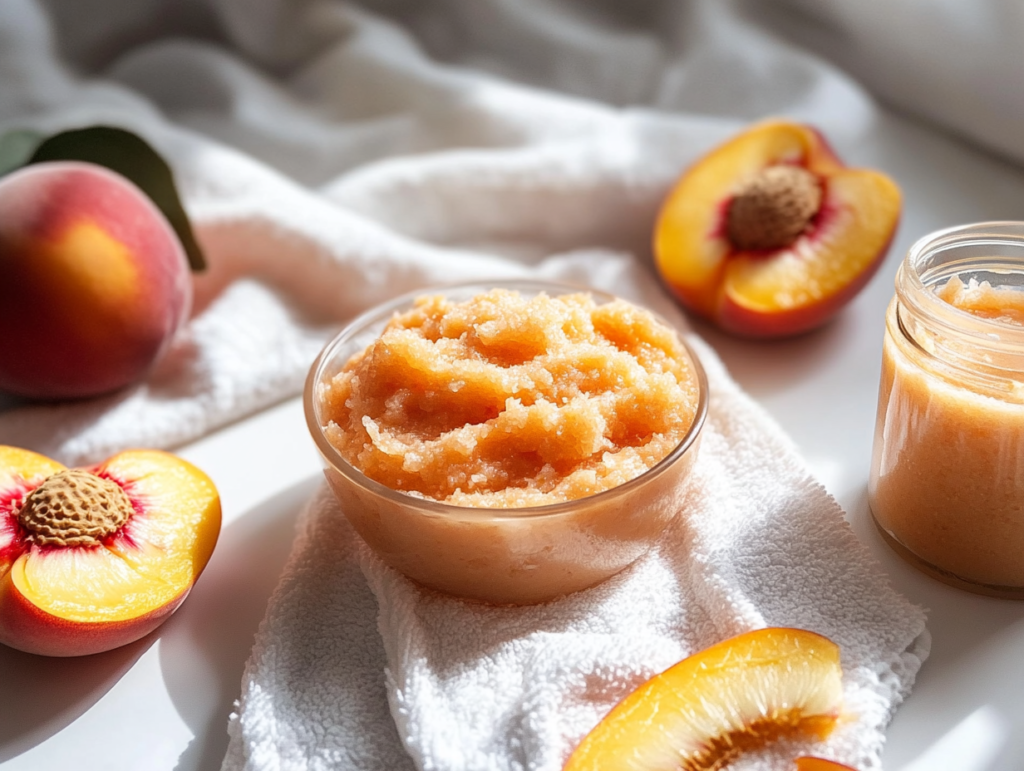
(93, 281)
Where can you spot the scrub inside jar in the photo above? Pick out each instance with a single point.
(981, 299)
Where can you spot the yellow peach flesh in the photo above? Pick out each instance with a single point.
(87, 585)
(810, 763)
(860, 223)
(733, 696)
(18, 465)
(175, 535)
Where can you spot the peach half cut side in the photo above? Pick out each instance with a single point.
(703, 712)
(94, 282)
(69, 591)
(769, 234)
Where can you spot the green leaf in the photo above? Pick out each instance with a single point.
(16, 147)
(132, 157)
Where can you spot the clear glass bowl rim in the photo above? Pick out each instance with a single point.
(384, 311)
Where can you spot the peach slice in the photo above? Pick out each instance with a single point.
(770, 234)
(703, 712)
(92, 559)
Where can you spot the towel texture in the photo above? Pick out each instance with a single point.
(334, 154)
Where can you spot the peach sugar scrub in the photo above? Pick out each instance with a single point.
(505, 401)
(509, 442)
(947, 477)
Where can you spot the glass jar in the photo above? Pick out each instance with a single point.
(947, 473)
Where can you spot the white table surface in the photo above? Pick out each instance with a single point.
(163, 702)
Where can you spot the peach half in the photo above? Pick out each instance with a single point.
(702, 713)
(94, 283)
(769, 234)
(92, 559)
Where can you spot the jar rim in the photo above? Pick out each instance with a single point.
(989, 248)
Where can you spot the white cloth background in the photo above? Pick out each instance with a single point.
(334, 154)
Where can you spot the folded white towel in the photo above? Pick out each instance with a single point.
(474, 687)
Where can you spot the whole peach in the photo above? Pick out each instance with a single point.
(94, 282)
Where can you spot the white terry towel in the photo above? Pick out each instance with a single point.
(473, 687)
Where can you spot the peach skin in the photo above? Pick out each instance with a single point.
(770, 234)
(92, 559)
(94, 282)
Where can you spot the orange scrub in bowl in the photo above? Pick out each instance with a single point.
(505, 401)
(508, 444)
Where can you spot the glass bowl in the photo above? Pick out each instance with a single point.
(503, 556)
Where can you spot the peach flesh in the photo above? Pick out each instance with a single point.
(71, 601)
(28, 628)
(735, 696)
(742, 319)
(93, 281)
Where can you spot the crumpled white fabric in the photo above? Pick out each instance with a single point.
(332, 155)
